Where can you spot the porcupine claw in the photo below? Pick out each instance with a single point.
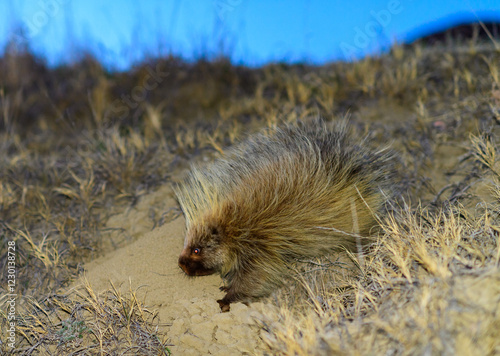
(224, 306)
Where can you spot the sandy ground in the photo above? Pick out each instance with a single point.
(187, 306)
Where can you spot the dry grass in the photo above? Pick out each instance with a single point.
(69, 159)
(430, 285)
(86, 323)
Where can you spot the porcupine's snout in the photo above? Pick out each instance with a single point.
(184, 262)
(193, 264)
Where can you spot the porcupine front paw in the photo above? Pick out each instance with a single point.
(224, 305)
(225, 302)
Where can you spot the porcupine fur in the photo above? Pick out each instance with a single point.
(303, 191)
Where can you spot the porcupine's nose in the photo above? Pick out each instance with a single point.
(183, 261)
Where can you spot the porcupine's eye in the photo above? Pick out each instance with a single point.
(196, 251)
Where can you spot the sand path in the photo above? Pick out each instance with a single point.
(187, 306)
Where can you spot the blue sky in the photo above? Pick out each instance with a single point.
(123, 32)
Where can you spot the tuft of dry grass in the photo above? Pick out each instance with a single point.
(86, 323)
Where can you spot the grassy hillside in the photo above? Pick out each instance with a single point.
(79, 144)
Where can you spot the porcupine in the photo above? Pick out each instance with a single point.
(302, 191)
